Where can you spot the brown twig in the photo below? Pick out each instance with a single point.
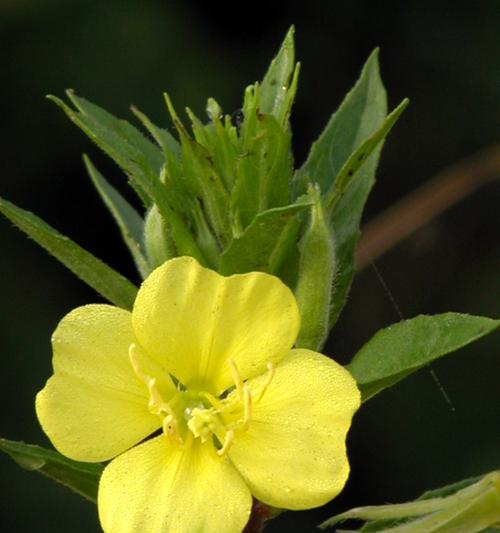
(447, 188)
(260, 514)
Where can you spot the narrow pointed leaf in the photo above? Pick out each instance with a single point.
(403, 348)
(128, 220)
(106, 281)
(344, 222)
(225, 152)
(275, 83)
(138, 157)
(264, 170)
(359, 117)
(200, 176)
(446, 490)
(164, 138)
(82, 478)
(200, 171)
(470, 507)
(284, 113)
(126, 141)
(265, 242)
(349, 170)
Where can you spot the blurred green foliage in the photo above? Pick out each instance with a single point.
(443, 55)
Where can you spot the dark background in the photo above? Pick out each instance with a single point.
(443, 55)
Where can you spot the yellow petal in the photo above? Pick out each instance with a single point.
(192, 320)
(158, 487)
(293, 454)
(94, 406)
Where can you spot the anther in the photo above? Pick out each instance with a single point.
(228, 441)
(169, 426)
(157, 405)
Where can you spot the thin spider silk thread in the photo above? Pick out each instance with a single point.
(396, 308)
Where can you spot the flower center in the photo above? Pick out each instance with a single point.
(203, 423)
(191, 414)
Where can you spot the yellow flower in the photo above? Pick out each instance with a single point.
(208, 360)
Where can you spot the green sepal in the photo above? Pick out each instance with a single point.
(203, 181)
(265, 243)
(199, 170)
(470, 508)
(264, 169)
(82, 478)
(315, 277)
(126, 217)
(106, 281)
(276, 95)
(224, 143)
(205, 237)
(157, 240)
(403, 348)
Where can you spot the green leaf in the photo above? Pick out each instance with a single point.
(106, 281)
(128, 220)
(360, 116)
(349, 170)
(446, 490)
(200, 172)
(138, 157)
(224, 143)
(201, 177)
(344, 222)
(163, 137)
(275, 98)
(470, 508)
(83, 478)
(264, 244)
(403, 348)
(315, 277)
(264, 169)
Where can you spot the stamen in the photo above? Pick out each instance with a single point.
(238, 382)
(270, 375)
(228, 441)
(132, 355)
(214, 402)
(157, 405)
(247, 404)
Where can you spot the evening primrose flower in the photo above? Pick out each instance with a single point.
(208, 361)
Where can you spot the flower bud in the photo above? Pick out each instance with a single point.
(316, 271)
